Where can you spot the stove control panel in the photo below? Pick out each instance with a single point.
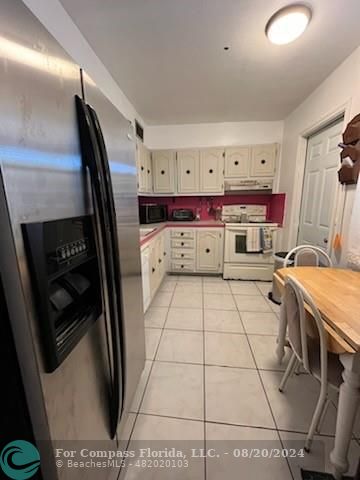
(244, 213)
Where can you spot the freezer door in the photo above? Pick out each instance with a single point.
(43, 179)
(119, 141)
(95, 159)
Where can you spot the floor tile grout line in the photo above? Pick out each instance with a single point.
(149, 374)
(267, 399)
(243, 425)
(183, 362)
(217, 422)
(204, 373)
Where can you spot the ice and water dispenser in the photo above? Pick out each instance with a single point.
(65, 275)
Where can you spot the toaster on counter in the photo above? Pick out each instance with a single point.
(182, 215)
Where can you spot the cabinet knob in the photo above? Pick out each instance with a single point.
(188, 171)
(164, 254)
(159, 260)
(182, 254)
(211, 170)
(182, 234)
(153, 270)
(325, 240)
(148, 171)
(263, 161)
(182, 266)
(182, 244)
(162, 172)
(207, 250)
(142, 168)
(236, 162)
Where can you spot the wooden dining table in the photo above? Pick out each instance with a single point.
(336, 293)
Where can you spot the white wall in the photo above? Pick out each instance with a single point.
(339, 92)
(213, 134)
(56, 20)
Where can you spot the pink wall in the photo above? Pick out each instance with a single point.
(275, 204)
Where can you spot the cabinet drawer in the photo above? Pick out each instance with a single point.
(183, 254)
(182, 243)
(180, 233)
(182, 266)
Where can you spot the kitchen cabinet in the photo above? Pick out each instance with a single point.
(212, 170)
(182, 245)
(263, 159)
(144, 168)
(196, 250)
(237, 162)
(163, 170)
(157, 265)
(145, 277)
(209, 250)
(188, 171)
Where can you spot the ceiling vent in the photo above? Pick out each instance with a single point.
(139, 130)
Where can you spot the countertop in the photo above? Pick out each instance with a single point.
(158, 227)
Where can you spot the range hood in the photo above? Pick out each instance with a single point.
(248, 185)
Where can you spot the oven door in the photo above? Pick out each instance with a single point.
(235, 244)
(235, 247)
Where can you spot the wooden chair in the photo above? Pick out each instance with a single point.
(308, 342)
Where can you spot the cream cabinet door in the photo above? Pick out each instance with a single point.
(161, 256)
(212, 170)
(237, 162)
(148, 169)
(263, 159)
(188, 171)
(154, 275)
(141, 167)
(163, 169)
(209, 249)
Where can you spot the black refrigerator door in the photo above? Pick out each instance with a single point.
(93, 161)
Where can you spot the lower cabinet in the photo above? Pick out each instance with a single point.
(153, 266)
(145, 277)
(198, 250)
(188, 250)
(209, 250)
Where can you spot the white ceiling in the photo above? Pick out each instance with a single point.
(168, 56)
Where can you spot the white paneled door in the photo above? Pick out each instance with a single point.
(320, 187)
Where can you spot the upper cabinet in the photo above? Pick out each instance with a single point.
(163, 169)
(263, 159)
(212, 170)
(144, 168)
(237, 162)
(188, 171)
(202, 171)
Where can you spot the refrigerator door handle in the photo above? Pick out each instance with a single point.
(106, 175)
(92, 159)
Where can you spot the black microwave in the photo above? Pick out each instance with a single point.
(151, 213)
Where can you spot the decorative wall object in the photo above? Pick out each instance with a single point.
(350, 155)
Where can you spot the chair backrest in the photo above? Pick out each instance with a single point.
(295, 298)
(308, 256)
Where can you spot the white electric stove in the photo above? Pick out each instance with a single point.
(240, 261)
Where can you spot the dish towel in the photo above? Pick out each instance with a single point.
(253, 241)
(353, 255)
(266, 240)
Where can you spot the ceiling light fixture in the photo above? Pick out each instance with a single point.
(287, 24)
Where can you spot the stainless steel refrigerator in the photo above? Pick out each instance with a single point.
(69, 242)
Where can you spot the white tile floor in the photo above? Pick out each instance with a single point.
(211, 375)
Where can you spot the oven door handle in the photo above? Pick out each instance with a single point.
(92, 160)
